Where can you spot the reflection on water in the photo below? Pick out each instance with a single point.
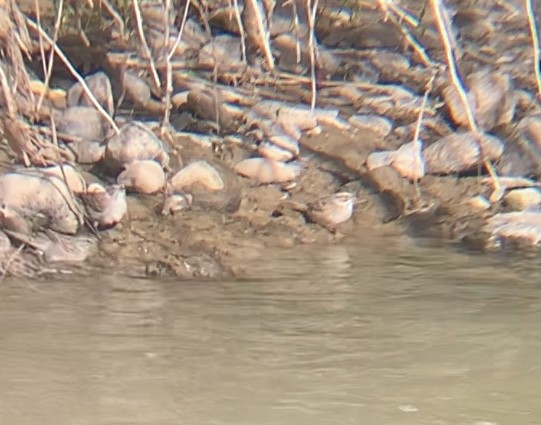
(386, 334)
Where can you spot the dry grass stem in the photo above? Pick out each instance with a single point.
(241, 30)
(312, 10)
(146, 49)
(257, 30)
(535, 44)
(8, 96)
(397, 16)
(115, 15)
(10, 260)
(47, 64)
(447, 39)
(169, 67)
(416, 141)
(74, 73)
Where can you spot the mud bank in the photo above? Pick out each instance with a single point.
(222, 157)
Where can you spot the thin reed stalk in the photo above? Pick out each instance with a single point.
(535, 44)
(73, 72)
(449, 45)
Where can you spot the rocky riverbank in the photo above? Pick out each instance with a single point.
(188, 163)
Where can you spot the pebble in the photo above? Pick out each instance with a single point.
(490, 96)
(520, 199)
(134, 142)
(34, 194)
(82, 122)
(409, 162)
(266, 171)
(211, 185)
(460, 152)
(69, 174)
(379, 159)
(375, 123)
(197, 172)
(479, 203)
(145, 176)
(522, 226)
(100, 86)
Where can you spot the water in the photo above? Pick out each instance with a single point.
(386, 333)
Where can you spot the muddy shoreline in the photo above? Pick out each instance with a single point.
(411, 163)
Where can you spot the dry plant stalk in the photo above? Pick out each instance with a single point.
(241, 30)
(311, 10)
(74, 73)
(448, 41)
(419, 161)
(397, 15)
(168, 59)
(146, 49)
(255, 25)
(47, 65)
(535, 45)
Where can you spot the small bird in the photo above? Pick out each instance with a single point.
(105, 206)
(332, 210)
(329, 211)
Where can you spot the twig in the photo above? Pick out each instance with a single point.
(47, 65)
(11, 258)
(74, 73)
(397, 16)
(416, 142)
(312, 9)
(241, 30)
(169, 67)
(146, 49)
(115, 15)
(447, 39)
(535, 44)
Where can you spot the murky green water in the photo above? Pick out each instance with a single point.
(388, 334)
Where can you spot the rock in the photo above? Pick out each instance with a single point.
(479, 203)
(409, 162)
(57, 97)
(212, 186)
(69, 174)
(490, 96)
(146, 176)
(296, 116)
(523, 227)
(87, 152)
(100, 86)
(200, 172)
(520, 199)
(210, 106)
(266, 171)
(32, 198)
(55, 247)
(20, 263)
(278, 145)
(377, 124)
(84, 123)
(222, 52)
(134, 142)
(136, 89)
(379, 159)
(461, 152)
